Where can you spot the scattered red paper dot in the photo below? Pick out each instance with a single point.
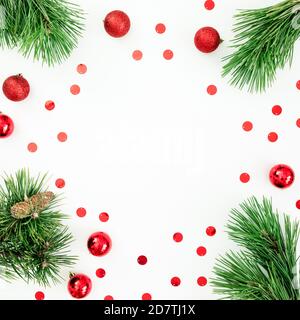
(298, 84)
(39, 295)
(175, 281)
(81, 68)
(211, 231)
(272, 136)
(209, 4)
(298, 204)
(298, 123)
(137, 55)
(142, 260)
(108, 298)
(201, 251)
(81, 212)
(276, 110)
(75, 89)
(160, 28)
(245, 177)
(60, 183)
(146, 296)
(202, 281)
(62, 137)
(247, 126)
(100, 273)
(49, 105)
(168, 54)
(212, 89)
(103, 216)
(177, 237)
(32, 147)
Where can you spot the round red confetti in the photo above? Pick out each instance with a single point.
(276, 110)
(175, 281)
(247, 126)
(160, 28)
(298, 84)
(62, 137)
(32, 147)
(60, 183)
(298, 123)
(272, 136)
(177, 237)
(75, 89)
(49, 105)
(201, 251)
(39, 295)
(245, 177)
(209, 4)
(137, 55)
(108, 298)
(142, 260)
(212, 89)
(81, 212)
(211, 231)
(100, 273)
(298, 204)
(168, 54)
(81, 68)
(146, 296)
(103, 216)
(202, 281)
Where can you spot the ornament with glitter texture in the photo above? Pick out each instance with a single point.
(79, 285)
(99, 244)
(282, 176)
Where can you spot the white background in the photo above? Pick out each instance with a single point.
(148, 145)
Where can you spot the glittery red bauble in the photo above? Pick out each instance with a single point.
(99, 244)
(16, 88)
(282, 176)
(6, 126)
(207, 39)
(117, 23)
(79, 286)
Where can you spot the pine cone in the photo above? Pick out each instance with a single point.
(20, 210)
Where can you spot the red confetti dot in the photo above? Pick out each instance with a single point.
(272, 136)
(202, 281)
(276, 110)
(39, 295)
(298, 123)
(247, 126)
(177, 237)
(100, 273)
(62, 137)
(108, 298)
(298, 84)
(60, 183)
(32, 147)
(168, 54)
(209, 4)
(245, 177)
(160, 28)
(146, 296)
(137, 55)
(142, 260)
(49, 105)
(175, 281)
(201, 251)
(211, 231)
(81, 68)
(81, 212)
(75, 89)
(212, 89)
(298, 204)
(103, 216)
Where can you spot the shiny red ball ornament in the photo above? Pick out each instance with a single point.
(282, 176)
(16, 88)
(207, 39)
(117, 24)
(99, 244)
(6, 126)
(79, 285)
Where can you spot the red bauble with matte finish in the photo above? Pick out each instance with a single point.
(207, 39)
(282, 176)
(79, 285)
(117, 24)
(99, 244)
(6, 126)
(16, 88)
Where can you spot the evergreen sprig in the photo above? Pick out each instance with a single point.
(263, 43)
(34, 248)
(265, 267)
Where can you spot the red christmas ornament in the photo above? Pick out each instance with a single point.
(207, 39)
(99, 244)
(282, 176)
(16, 88)
(117, 23)
(79, 285)
(6, 126)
